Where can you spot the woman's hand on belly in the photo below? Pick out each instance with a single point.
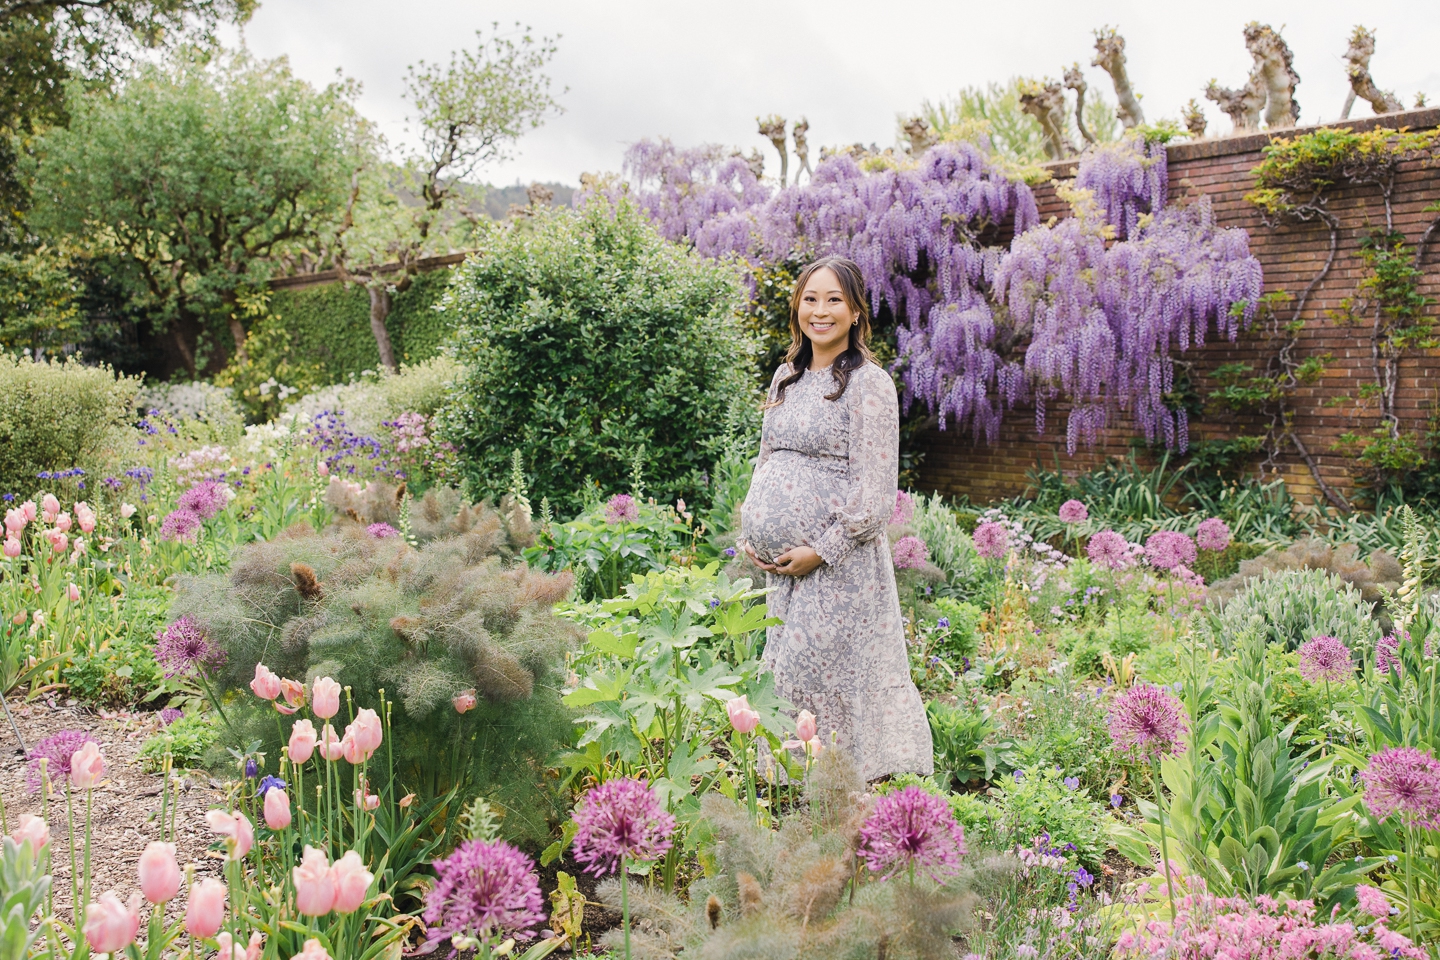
(796, 562)
(767, 567)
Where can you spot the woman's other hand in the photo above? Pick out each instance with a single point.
(767, 567)
(796, 562)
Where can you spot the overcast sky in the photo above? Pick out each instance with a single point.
(701, 72)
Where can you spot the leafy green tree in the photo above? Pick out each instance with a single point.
(590, 341)
(38, 294)
(188, 182)
(1015, 135)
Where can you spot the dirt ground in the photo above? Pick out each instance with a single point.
(126, 806)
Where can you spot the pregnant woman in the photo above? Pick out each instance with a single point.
(815, 519)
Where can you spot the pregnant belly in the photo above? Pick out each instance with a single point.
(783, 510)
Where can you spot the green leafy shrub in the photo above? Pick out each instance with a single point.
(586, 337)
(425, 622)
(117, 674)
(962, 751)
(59, 414)
(605, 556)
(1216, 566)
(1037, 801)
(1289, 607)
(1372, 578)
(187, 740)
(958, 636)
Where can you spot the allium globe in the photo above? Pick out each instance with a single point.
(992, 540)
(1387, 654)
(206, 499)
(622, 508)
(1326, 658)
(183, 649)
(58, 750)
(180, 525)
(487, 890)
(620, 819)
(1109, 549)
(1212, 535)
(1073, 511)
(912, 829)
(1169, 549)
(910, 553)
(382, 531)
(1404, 781)
(1148, 720)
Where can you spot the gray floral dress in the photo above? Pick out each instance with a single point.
(826, 479)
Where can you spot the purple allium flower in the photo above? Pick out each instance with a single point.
(911, 828)
(180, 525)
(1148, 720)
(622, 508)
(904, 508)
(1109, 550)
(382, 531)
(1387, 654)
(205, 499)
(169, 715)
(1213, 535)
(1073, 511)
(992, 540)
(183, 648)
(484, 889)
(1168, 549)
(1406, 781)
(58, 749)
(1326, 658)
(620, 818)
(911, 553)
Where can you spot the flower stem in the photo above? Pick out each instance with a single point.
(1410, 882)
(1164, 843)
(625, 903)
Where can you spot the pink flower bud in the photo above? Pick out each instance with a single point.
(230, 950)
(313, 951)
(63, 523)
(464, 701)
(368, 801)
(128, 510)
(33, 829)
(352, 882)
(331, 746)
(302, 741)
(15, 522)
(277, 809)
(50, 507)
(236, 828)
(742, 718)
(363, 736)
(85, 517)
(73, 592)
(206, 909)
(87, 766)
(326, 693)
(110, 926)
(28, 508)
(159, 873)
(805, 726)
(322, 468)
(12, 547)
(266, 684)
(314, 888)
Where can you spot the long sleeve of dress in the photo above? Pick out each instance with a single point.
(874, 466)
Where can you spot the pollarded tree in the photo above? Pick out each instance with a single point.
(189, 179)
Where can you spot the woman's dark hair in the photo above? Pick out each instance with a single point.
(856, 355)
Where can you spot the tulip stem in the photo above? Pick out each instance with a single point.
(89, 791)
(75, 908)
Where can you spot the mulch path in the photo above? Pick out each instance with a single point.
(125, 807)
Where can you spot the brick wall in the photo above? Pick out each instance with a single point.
(1291, 256)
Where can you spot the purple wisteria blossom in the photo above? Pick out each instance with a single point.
(992, 540)
(487, 890)
(1169, 549)
(1326, 658)
(1073, 511)
(183, 648)
(622, 508)
(912, 829)
(1406, 781)
(1109, 550)
(57, 749)
(621, 818)
(1148, 720)
(1126, 178)
(911, 553)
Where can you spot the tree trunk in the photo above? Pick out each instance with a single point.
(379, 312)
(182, 346)
(237, 332)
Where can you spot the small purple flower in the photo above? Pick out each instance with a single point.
(1073, 511)
(1072, 783)
(911, 828)
(1109, 550)
(622, 508)
(904, 508)
(59, 749)
(183, 648)
(992, 540)
(1148, 720)
(1169, 549)
(487, 890)
(252, 769)
(180, 525)
(169, 715)
(1387, 654)
(205, 499)
(382, 531)
(1325, 658)
(729, 551)
(943, 622)
(1406, 781)
(620, 819)
(911, 553)
(1213, 535)
(268, 783)
(1116, 800)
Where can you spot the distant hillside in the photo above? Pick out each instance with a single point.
(499, 200)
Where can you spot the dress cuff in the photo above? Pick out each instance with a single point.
(834, 544)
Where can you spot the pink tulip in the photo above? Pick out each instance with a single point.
(73, 592)
(369, 801)
(28, 508)
(277, 809)
(322, 468)
(464, 702)
(15, 521)
(363, 736)
(85, 517)
(352, 882)
(50, 507)
(314, 887)
(33, 829)
(159, 873)
(805, 726)
(12, 547)
(87, 766)
(293, 691)
(302, 741)
(230, 950)
(327, 698)
(63, 523)
(58, 541)
(127, 510)
(331, 746)
(236, 828)
(313, 951)
(206, 909)
(266, 684)
(742, 718)
(110, 926)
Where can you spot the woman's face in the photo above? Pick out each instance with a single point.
(825, 317)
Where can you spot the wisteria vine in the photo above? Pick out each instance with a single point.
(1090, 308)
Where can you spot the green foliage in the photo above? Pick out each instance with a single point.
(1295, 170)
(1214, 566)
(38, 294)
(959, 636)
(1060, 724)
(605, 556)
(118, 674)
(376, 397)
(1289, 607)
(24, 887)
(960, 735)
(1037, 801)
(1125, 628)
(585, 336)
(995, 111)
(187, 740)
(58, 414)
(425, 623)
